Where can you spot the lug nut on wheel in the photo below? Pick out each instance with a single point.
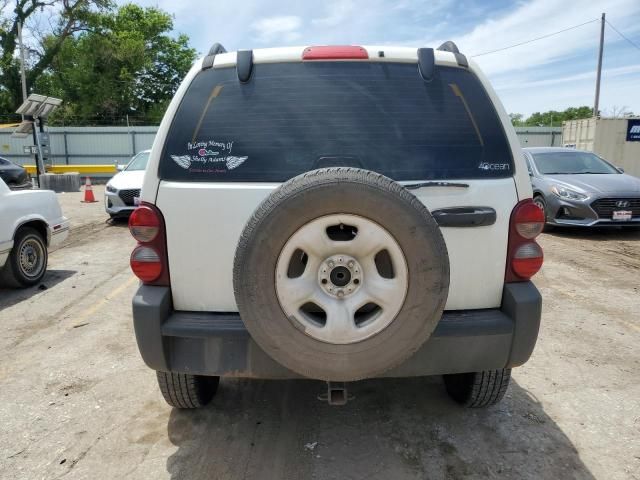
(340, 293)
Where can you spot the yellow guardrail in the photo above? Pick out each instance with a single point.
(111, 168)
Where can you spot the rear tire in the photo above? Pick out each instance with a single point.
(27, 262)
(181, 390)
(478, 389)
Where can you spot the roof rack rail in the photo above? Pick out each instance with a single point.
(215, 49)
(449, 46)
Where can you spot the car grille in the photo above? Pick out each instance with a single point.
(127, 196)
(605, 207)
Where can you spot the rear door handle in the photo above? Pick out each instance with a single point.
(465, 216)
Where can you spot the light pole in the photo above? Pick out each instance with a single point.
(596, 103)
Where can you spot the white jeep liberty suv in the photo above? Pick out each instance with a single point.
(336, 213)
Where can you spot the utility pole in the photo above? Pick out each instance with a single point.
(596, 104)
(22, 73)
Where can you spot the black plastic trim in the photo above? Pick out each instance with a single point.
(522, 302)
(426, 63)
(218, 343)
(244, 65)
(215, 49)
(449, 46)
(462, 60)
(152, 306)
(201, 324)
(465, 216)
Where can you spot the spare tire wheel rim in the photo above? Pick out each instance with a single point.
(341, 292)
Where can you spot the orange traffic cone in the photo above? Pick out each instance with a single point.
(88, 192)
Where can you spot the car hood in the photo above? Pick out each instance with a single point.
(127, 180)
(618, 184)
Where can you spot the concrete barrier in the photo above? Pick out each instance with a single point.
(82, 169)
(66, 182)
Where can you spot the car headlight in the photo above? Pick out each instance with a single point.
(111, 189)
(567, 193)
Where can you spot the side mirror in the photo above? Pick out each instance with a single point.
(620, 169)
(121, 167)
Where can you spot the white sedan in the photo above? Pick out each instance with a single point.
(123, 189)
(30, 222)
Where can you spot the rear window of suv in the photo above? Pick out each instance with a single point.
(294, 117)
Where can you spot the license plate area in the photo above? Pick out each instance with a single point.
(622, 215)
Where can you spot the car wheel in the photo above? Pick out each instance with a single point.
(341, 274)
(182, 390)
(478, 389)
(27, 262)
(540, 202)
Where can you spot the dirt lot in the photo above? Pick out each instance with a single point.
(76, 400)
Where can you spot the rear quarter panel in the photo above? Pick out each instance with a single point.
(521, 174)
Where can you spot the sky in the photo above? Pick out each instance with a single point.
(549, 74)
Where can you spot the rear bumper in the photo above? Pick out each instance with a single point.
(218, 343)
(25, 185)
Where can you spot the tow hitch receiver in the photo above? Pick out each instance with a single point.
(336, 394)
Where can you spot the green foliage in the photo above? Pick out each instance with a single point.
(114, 62)
(516, 119)
(552, 118)
(127, 64)
(65, 18)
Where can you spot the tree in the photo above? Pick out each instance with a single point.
(127, 64)
(66, 17)
(517, 119)
(552, 118)
(619, 112)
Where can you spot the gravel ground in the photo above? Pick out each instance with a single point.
(76, 400)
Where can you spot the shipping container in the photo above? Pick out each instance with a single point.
(617, 140)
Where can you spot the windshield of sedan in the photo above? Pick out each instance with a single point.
(139, 162)
(571, 163)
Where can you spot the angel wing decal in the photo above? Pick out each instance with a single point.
(183, 160)
(233, 162)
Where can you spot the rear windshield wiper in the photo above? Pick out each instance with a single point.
(414, 186)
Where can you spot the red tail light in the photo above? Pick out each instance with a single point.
(149, 259)
(524, 255)
(344, 52)
(144, 224)
(146, 263)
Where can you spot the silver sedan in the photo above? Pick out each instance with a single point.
(578, 188)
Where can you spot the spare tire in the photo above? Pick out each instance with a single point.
(341, 274)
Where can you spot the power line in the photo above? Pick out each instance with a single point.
(621, 34)
(538, 38)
